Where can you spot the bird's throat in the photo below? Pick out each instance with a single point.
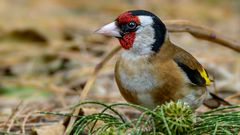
(127, 40)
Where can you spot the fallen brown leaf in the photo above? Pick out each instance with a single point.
(56, 129)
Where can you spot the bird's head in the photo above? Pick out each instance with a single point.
(138, 31)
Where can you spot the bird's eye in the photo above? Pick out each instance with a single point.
(131, 25)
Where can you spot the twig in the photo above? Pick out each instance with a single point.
(202, 32)
(233, 96)
(96, 71)
(25, 121)
(34, 124)
(197, 31)
(7, 133)
(89, 85)
(12, 116)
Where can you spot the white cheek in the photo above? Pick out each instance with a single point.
(143, 43)
(145, 20)
(144, 39)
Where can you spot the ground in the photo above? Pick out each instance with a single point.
(48, 50)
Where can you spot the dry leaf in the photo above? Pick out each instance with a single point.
(56, 129)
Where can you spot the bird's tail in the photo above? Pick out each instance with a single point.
(215, 101)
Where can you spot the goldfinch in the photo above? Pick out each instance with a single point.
(152, 70)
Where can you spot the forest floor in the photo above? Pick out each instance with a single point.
(48, 50)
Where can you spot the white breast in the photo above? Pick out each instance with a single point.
(141, 80)
(136, 76)
(139, 83)
(146, 100)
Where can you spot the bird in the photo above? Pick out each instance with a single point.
(152, 70)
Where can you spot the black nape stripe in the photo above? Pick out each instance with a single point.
(160, 33)
(159, 27)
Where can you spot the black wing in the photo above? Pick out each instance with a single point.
(193, 69)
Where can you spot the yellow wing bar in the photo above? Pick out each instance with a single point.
(204, 75)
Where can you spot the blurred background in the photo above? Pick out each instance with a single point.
(48, 50)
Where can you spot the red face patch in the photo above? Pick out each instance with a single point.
(127, 17)
(128, 38)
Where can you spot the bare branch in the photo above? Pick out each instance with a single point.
(202, 32)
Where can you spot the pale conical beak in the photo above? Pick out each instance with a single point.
(110, 29)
